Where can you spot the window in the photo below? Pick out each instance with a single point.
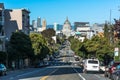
(93, 62)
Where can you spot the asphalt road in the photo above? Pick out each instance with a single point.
(59, 70)
(64, 72)
(74, 73)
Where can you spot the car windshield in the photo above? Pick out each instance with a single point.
(93, 62)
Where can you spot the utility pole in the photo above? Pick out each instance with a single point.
(110, 15)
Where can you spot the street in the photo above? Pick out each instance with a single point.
(64, 67)
(64, 72)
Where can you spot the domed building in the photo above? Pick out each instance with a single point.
(67, 28)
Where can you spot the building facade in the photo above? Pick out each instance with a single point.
(44, 24)
(98, 28)
(2, 32)
(67, 28)
(17, 19)
(38, 22)
(83, 30)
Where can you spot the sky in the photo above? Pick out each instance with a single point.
(93, 11)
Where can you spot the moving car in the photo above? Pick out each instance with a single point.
(91, 65)
(3, 69)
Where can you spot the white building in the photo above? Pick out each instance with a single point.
(67, 28)
(83, 30)
(98, 28)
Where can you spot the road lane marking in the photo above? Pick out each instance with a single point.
(45, 77)
(78, 74)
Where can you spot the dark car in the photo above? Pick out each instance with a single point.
(3, 69)
(111, 68)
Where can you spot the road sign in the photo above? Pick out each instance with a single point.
(116, 49)
(116, 54)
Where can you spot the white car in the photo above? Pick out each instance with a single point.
(91, 65)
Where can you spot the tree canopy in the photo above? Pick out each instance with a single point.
(20, 45)
(39, 44)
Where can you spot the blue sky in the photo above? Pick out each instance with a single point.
(93, 11)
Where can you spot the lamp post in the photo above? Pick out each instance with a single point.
(6, 49)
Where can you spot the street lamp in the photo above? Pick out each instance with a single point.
(6, 50)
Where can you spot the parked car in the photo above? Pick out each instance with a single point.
(110, 69)
(91, 65)
(3, 69)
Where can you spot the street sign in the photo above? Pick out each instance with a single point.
(116, 49)
(116, 54)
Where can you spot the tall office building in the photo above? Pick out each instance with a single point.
(38, 22)
(44, 24)
(55, 26)
(34, 25)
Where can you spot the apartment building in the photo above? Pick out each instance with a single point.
(2, 33)
(16, 19)
(83, 30)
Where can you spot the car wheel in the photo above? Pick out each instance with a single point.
(3, 73)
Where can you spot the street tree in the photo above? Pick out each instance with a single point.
(48, 34)
(39, 44)
(76, 45)
(20, 47)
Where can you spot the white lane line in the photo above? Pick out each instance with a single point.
(78, 74)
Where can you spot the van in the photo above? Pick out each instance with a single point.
(91, 65)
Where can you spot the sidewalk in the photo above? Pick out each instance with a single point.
(16, 70)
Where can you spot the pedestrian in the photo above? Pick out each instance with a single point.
(13, 65)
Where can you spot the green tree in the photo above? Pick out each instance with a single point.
(20, 45)
(98, 47)
(3, 57)
(76, 45)
(106, 31)
(39, 45)
(48, 34)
